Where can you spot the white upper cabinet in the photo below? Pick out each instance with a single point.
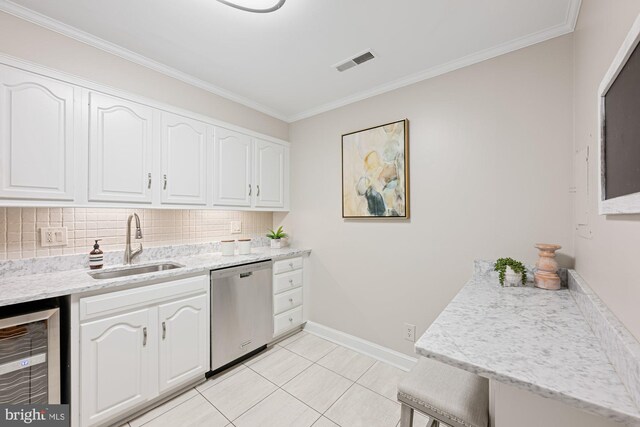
(184, 354)
(120, 150)
(67, 142)
(184, 160)
(36, 137)
(269, 174)
(249, 172)
(232, 169)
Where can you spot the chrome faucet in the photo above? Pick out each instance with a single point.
(128, 253)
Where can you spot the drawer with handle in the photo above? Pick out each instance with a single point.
(119, 301)
(286, 265)
(287, 281)
(287, 300)
(287, 320)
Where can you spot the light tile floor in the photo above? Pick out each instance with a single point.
(302, 381)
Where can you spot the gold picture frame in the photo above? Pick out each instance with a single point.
(375, 172)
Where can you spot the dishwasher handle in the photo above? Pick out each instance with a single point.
(241, 270)
(243, 275)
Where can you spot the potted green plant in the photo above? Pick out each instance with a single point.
(278, 238)
(510, 272)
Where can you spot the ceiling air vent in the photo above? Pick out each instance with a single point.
(350, 63)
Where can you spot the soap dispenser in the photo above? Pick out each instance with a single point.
(96, 257)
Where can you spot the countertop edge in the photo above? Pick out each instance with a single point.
(591, 407)
(94, 285)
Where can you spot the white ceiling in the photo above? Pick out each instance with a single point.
(281, 63)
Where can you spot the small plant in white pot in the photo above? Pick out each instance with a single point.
(278, 238)
(510, 272)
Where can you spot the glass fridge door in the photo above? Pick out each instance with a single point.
(30, 358)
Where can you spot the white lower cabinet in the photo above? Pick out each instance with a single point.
(286, 281)
(140, 344)
(117, 365)
(287, 295)
(287, 300)
(184, 349)
(286, 321)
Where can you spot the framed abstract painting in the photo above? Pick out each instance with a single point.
(375, 172)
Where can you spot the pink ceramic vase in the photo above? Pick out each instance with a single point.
(547, 274)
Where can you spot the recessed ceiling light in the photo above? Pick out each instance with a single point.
(257, 6)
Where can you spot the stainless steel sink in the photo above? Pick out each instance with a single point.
(132, 271)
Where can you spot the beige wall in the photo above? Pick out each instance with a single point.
(33, 43)
(490, 169)
(609, 260)
(20, 228)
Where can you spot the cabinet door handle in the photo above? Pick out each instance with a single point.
(290, 319)
(144, 336)
(249, 189)
(165, 182)
(291, 264)
(164, 330)
(258, 194)
(291, 300)
(149, 181)
(290, 282)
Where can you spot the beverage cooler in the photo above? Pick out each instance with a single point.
(30, 358)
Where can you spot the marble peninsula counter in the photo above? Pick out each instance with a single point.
(540, 341)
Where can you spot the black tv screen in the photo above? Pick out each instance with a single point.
(622, 131)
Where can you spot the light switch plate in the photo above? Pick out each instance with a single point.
(236, 227)
(53, 236)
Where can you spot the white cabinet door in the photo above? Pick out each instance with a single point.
(269, 163)
(184, 160)
(232, 169)
(184, 341)
(36, 136)
(120, 150)
(118, 365)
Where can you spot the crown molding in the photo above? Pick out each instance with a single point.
(89, 85)
(565, 28)
(84, 37)
(568, 26)
(573, 12)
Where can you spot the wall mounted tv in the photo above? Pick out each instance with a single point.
(619, 107)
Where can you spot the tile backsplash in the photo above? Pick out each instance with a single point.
(20, 228)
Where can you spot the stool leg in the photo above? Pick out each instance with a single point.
(406, 416)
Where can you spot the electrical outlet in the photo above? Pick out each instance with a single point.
(410, 332)
(236, 227)
(53, 236)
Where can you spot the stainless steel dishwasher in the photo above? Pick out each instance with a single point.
(241, 311)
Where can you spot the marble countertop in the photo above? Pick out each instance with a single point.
(532, 339)
(18, 289)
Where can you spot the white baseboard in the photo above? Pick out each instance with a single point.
(384, 354)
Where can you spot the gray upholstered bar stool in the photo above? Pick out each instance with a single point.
(445, 394)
